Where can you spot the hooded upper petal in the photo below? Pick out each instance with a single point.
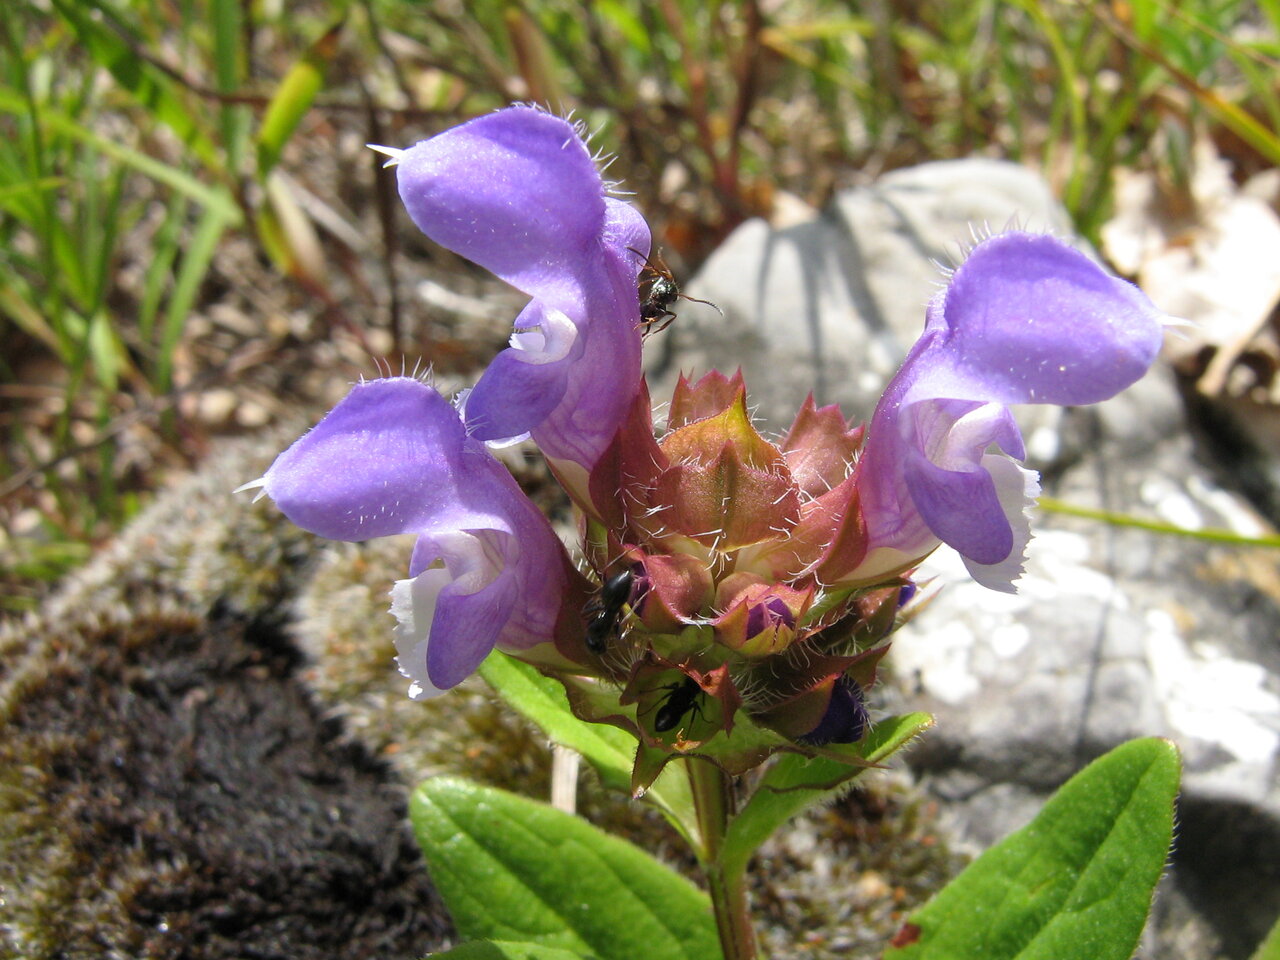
(394, 457)
(1028, 319)
(1025, 319)
(387, 459)
(517, 192)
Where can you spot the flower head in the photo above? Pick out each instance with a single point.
(774, 572)
(746, 586)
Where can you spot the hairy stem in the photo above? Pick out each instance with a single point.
(712, 798)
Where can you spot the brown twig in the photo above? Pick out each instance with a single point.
(382, 191)
(746, 71)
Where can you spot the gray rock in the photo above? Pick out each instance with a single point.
(1116, 633)
(831, 305)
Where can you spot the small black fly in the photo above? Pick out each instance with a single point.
(682, 699)
(658, 294)
(607, 609)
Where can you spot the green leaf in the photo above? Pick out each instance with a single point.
(542, 700)
(229, 58)
(1074, 884)
(511, 868)
(796, 782)
(106, 352)
(1269, 949)
(507, 950)
(293, 98)
(609, 749)
(195, 264)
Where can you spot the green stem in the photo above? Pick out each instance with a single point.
(726, 884)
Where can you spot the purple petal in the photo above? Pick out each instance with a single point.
(521, 546)
(846, 716)
(961, 508)
(393, 457)
(948, 482)
(625, 229)
(1028, 319)
(383, 461)
(451, 618)
(515, 191)
(527, 381)
(1017, 489)
(603, 381)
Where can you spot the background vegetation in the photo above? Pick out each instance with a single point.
(193, 237)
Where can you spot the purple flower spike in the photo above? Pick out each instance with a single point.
(518, 193)
(393, 457)
(1025, 319)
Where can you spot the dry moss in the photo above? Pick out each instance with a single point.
(168, 785)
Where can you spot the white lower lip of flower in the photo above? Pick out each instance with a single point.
(471, 562)
(548, 341)
(413, 604)
(1017, 487)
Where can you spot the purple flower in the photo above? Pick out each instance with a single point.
(487, 570)
(1025, 319)
(518, 193)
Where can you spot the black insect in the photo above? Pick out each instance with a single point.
(682, 699)
(606, 610)
(658, 294)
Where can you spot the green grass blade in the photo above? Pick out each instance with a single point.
(293, 98)
(1052, 505)
(164, 252)
(228, 71)
(210, 197)
(195, 264)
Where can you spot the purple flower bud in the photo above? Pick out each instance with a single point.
(907, 593)
(774, 612)
(846, 718)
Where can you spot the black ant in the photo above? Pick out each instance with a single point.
(607, 608)
(660, 295)
(682, 698)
